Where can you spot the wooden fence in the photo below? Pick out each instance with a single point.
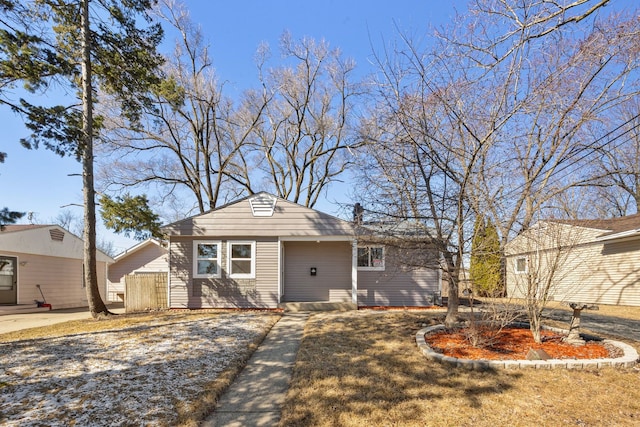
(145, 291)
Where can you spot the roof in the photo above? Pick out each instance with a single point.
(44, 239)
(21, 227)
(614, 228)
(399, 229)
(613, 225)
(138, 246)
(263, 215)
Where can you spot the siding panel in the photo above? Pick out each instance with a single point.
(59, 278)
(398, 285)
(150, 259)
(598, 273)
(187, 292)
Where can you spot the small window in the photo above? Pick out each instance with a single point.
(206, 259)
(371, 258)
(521, 265)
(242, 260)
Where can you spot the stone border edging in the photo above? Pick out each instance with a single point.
(627, 360)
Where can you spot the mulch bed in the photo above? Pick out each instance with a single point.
(512, 343)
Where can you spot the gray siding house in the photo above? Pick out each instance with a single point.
(262, 250)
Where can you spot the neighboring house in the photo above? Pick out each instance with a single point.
(49, 256)
(261, 251)
(590, 261)
(149, 256)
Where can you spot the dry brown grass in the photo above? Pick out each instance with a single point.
(116, 322)
(92, 325)
(363, 368)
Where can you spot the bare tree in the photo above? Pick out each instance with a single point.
(539, 261)
(416, 168)
(496, 112)
(557, 88)
(73, 222)
(193, 138)
(618, 165)
(304, 134)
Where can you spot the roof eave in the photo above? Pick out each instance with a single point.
(622, 236)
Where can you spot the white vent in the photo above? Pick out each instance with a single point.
(56, 234)
(263, 204)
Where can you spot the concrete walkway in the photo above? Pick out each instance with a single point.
(16, 318)
(256, 397)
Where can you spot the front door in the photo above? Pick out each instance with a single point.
(8, 280)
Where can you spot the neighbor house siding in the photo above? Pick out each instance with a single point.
(594, 272)
(332, 261)
(59, 278)
(398, 285)
(224, 292)
(152, 258)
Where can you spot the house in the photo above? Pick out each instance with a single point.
(40, 262)
(590, 261)
(149, 256)
(262, 250)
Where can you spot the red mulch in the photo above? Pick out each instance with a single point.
(512, 343)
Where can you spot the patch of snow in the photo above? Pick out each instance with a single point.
(136, 376)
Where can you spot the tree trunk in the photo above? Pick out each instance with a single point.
(96, 305)
(452, 296)
(535, 326)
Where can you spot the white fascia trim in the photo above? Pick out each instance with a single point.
(316, 239)
(619, 236)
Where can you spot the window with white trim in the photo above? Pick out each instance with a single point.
(371, 258)
(241, 260)
(521, 264)
(206, 259)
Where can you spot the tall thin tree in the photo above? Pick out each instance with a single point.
(83, 45)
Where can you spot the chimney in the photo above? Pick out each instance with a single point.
(358, 212)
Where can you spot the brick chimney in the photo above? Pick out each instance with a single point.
(358, 212)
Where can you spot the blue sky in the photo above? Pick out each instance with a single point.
(38, 181)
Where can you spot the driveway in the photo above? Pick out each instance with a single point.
(610, 325)
(18, 321)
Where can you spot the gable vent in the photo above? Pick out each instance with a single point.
(56, 234)
(263, 205)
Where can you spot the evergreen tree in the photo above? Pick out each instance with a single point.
(130, 214)
(485, 265)
(7, 216)
(47, 44)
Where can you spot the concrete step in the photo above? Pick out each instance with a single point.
(294, 307)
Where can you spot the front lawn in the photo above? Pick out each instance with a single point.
(363, 368)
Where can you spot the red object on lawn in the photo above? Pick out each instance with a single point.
(42, 303)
